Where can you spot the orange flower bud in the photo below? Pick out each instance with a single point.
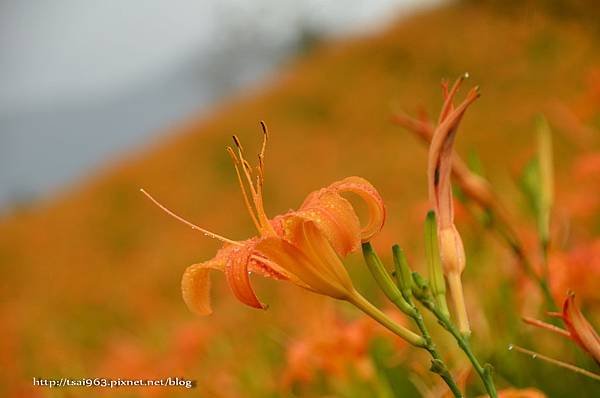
(439, 167)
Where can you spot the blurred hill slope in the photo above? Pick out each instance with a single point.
(100, 266)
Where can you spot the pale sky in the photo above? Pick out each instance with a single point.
(84, 81)
(65, 49)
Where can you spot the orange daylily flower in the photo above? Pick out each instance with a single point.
(580, 330)
(452, 252)
(302, 246)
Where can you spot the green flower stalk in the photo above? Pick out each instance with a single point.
(401, 297)
(485, 371)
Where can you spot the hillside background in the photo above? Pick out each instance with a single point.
(90, 276)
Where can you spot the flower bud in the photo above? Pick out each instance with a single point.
(403, 272)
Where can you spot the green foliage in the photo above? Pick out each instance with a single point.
(537, 180)
(397, 377)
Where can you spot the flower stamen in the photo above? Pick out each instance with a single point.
(243, 188)
(261, 155)
(262, 221)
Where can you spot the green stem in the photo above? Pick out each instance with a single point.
(365, 306)
(437, 364)
(484, 372)
(404, 303)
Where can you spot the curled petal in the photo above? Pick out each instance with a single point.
(195, 285)
(237, 273)
(580, 330)
(311, 258)
(237, 262)
(336, 218)
(372, 198)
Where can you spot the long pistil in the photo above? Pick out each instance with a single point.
(193, 226)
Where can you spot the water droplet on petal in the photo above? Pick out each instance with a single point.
(510, 347)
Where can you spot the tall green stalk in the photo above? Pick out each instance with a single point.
(484, 371)
(400, 297)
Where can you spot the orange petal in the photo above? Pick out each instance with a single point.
(311, 258)
(336, 218)
(237, 274)
(372, 198)
(580, 329)
(439, 167)
(449, 94)
(236, 262)
(195, 285)
(320, 251)
(440, 161)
